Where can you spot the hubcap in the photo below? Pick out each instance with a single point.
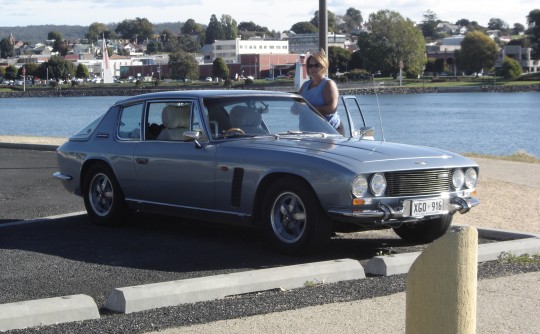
(101, 194)
(288, 217)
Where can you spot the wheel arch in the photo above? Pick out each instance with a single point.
(86, 166)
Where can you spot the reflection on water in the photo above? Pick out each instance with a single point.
(489, 123)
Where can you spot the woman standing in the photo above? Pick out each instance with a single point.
(320, 90)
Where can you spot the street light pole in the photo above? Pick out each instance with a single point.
(323, 26)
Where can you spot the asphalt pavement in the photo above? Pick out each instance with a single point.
(507, 302)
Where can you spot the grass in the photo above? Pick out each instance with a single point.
(519, 156)
(519, 259)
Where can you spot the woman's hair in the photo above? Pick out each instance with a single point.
(320, 57)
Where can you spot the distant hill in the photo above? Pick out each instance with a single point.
(38, 33)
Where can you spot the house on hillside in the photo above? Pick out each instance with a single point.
(522, 55)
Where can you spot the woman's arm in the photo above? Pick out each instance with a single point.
(331, 95)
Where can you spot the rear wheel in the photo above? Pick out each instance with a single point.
(103, 198)
(426, 231)
(293, 220)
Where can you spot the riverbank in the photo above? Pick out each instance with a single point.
(348, 90)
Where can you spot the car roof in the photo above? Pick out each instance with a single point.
(196, 94)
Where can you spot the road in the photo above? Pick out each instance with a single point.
(68, 255)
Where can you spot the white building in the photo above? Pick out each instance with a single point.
(522, 55)
(230, 50)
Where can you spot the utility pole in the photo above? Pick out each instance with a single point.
(323, 27)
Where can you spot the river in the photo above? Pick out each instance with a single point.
(486, 123)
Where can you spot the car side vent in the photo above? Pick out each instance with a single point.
(236, 189)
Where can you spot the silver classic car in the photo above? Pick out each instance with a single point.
(263, 159)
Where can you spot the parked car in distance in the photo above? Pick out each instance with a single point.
(209, 79)
(263, 159)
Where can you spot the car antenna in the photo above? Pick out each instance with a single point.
(380, 118)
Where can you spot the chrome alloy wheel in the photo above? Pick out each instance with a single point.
(101, 194)
(288, 217)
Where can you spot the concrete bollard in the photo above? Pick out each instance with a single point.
(441, 286)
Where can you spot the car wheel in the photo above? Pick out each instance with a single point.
(293, 220)
(426, 231)
(103, 198)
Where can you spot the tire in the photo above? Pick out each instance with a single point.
(293, 220)
(103, 197)
(426, 231)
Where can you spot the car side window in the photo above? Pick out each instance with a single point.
(129, 127)
(169, 120)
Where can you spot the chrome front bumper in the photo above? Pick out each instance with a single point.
(384, 214)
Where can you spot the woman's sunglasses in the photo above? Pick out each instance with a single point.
(314, 65)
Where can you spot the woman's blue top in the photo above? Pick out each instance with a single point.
(315, 96)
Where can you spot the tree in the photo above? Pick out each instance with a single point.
(191, 27)
(187, 44)
(304, 28)
(392, 40)
(338, 58)
(352, 19)
(229, 26)
(153, 47)
(97, 30)
(183, 66)
(219, 68)
(356, 61)
(510, 69)
(214, 31)
(332, 21)
(82, 72)
(58, 68)
(478, 52)
(518, 28)
(6, 48)
(533, 20)
(135, 30)
(11, 73)
(498, 24)
(59, 45)
(429, 25)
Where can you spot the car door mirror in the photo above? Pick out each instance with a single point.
(367, 132)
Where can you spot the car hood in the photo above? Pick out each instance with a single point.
(371, 155)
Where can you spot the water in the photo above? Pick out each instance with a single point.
(488, 123)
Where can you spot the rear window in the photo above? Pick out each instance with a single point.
(87, 131)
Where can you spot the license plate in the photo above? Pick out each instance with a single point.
(427, 207)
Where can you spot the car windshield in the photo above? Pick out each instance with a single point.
(263, 116)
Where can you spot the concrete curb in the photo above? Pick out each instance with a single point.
(522, 244)
(48, 311)
(151, 296)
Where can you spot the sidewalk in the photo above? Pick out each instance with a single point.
(504, 305)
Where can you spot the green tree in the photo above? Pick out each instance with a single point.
(219, 68)
(97, 31)
(518, 28)
(352, 19)
(392, 40)
(214, 31)
(191, 27)
(6, 48)
(153, 47)
(58, 68)
(229, 26)
(356, 61)
(82, 72)
(135, 30)
(183, 66)
(11, 73)
(429, 25)
(510, 69)
(332, 21)
(533, 20)
(187, 44)
(478, 52)
(498, 24)
(304, 28)
(338, 58)
(59, 45)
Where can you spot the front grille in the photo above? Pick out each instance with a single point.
(418, 182)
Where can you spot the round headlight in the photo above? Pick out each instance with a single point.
(378, 184)
(471, 178)
(359, 186)
(457, 179)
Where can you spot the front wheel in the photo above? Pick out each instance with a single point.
(103, 198)
(293, 220)
(426, 231)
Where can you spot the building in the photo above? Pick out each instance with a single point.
(309, 43)
(522, 55)
(231, 50)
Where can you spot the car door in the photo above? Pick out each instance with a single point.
(176, 172)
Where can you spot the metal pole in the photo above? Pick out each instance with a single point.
(323, 26)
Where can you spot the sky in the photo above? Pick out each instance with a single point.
(278, 15)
